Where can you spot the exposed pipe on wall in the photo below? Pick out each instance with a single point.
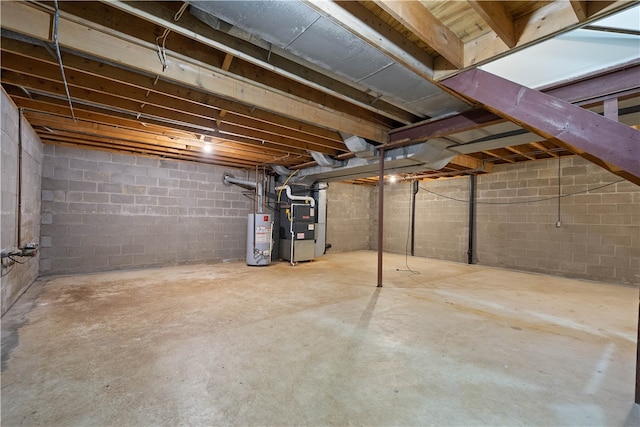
(19, 189)
(472, 216)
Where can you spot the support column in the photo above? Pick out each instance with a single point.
(472, 217)
(380, 214)
(414, 192)
(638, 358)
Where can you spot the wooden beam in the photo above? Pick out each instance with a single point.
(580, 9)
(92, 39)
(260, 54)
(58, 107)
(544, 149)
(160, 111)
(554, 18)
(471, 163)
(225, 66)
(496, 16)
(551, 117)
(360, 22)
(174, 154)
(238, 112)
(520, 153)
(227, 62)
(493, 154)
(417, 18)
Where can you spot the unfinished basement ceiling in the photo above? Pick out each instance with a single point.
(298, 29)
(277, 83)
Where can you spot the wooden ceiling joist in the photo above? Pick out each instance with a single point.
(111, 80)
(122, 103)
(580, 9)
(241, 143)
(428, 28)
(259, 103)
(90, 38)
(555, 17)
(551, 117)
(265, 57)
(111, 132)
(362, 23)
(495, 14)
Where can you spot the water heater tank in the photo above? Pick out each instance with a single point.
(259, 239)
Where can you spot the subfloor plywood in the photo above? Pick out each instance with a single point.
(319, 344)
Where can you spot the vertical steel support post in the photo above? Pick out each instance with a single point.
(380, 214)
(414, 192)
(638, 358)
(472, 217)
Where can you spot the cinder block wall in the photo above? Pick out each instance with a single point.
(104, 211)
(348, 217)
(441, 226)
(16, 278)
(599, 236)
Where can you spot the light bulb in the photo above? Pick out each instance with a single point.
(393, 179)
(207, 148)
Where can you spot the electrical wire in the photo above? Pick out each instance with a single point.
(56, 20)
(406, 246)
(161, 48)
(525, 201)
(285, 183)
(15, 260)
(559, 186)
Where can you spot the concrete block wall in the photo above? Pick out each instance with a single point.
(17, 278)
(599, 235)
(441, 227)
(348, 217)
(106, 211)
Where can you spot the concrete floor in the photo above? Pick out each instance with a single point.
(319, 344)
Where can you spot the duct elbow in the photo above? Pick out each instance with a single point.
(287, 189)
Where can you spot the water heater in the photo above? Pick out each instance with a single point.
(259, 239)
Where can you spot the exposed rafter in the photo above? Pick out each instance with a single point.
(427, 27)
(496, 16)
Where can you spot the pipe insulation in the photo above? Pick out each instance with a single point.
(287, 188)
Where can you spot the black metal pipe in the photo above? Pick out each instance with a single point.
(414, 192)
(472, 216)
(380, 213)
(638, 359)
